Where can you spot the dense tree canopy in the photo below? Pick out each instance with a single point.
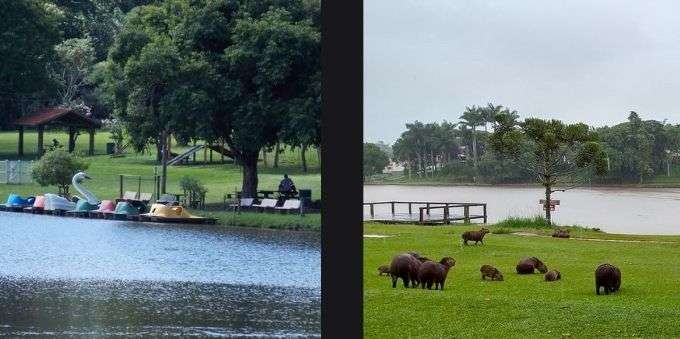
(375, 159)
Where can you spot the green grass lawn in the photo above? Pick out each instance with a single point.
(219, 178)
(523, 306)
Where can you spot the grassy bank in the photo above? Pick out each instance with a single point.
(523, 306)
(659, 181)
(219, 178)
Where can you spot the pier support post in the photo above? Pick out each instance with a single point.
(421, 215)
(372, 214)
(466, 214)
(485, 213)
(428, 208)
(409, 209)
(392, 209)
(446, 214)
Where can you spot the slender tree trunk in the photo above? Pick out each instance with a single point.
(474, 150)
(318, 155)
(548, 190)
(164, 161)
(249, 163)
(159, 148)
(409, 164)
(303, 150)
(276, 155)
(264, 157)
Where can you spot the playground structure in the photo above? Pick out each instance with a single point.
(184, 157)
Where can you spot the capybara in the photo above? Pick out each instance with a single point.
(491, 272)
(384, 270)
(560, 233)
(527, 266)
(405, 266)
(418, 256)
(553, 275)
(609, 277)
(431, 273)
(476, 236)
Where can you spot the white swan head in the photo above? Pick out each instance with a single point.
(80, 176)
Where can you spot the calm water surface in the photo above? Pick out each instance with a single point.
(70, 277)
(614, 210)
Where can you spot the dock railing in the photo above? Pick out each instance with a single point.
(424, 208)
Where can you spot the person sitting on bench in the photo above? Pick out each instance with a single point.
(287, 187)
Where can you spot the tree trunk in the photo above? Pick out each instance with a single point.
(264, 157)
(474, 150)
(276, 155)
(159, 148)
(318, 155)
(303, 150)
(249, 163)
(164, 161)
(548, 191)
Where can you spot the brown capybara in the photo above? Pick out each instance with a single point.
(609, 277)
(384, 270)
(560, 233)
(431, 273)
(476, 236)
(553, 275)
(491, 272)
(405, 266)
(528, 265)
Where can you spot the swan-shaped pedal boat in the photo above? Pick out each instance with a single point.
(178, 214)
(88, 202)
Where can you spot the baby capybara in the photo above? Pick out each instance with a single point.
(561, 233)
(553, 275)
(405, 266)
(528, 265)
(476, 236)
(384, 270)
(491, 272)
(431, 273)
(609, 277)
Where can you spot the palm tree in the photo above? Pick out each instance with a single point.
(472, 117)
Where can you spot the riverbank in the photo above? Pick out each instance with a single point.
(473, 184)
(523, 306)
(220, 178)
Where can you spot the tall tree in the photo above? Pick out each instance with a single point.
(472, 117)
(551, 150)
(29, 32)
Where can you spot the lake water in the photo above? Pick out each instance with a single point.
(82, 278)
(614, 210)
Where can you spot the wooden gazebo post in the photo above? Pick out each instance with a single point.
(71, 139)
(41, 148)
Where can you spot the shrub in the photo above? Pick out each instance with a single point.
(57, 167)
(194, 190)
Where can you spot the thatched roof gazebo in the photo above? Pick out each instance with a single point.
(59, 117)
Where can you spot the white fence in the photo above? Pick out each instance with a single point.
(15, 172)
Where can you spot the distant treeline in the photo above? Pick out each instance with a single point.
(635, 149)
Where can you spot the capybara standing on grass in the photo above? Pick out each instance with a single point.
(609, 277)
(528, 265)
(405, 266)
(553, 275)
(476, 236)
(491, 272)
(384, 270)
(431, 273)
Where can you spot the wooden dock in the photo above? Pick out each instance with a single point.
(423, 212)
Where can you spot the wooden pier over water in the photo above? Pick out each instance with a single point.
(423, 212)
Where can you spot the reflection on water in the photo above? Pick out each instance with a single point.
(86, 308)
(615, 210)
(78, 277)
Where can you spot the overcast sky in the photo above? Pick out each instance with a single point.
(590, 61)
